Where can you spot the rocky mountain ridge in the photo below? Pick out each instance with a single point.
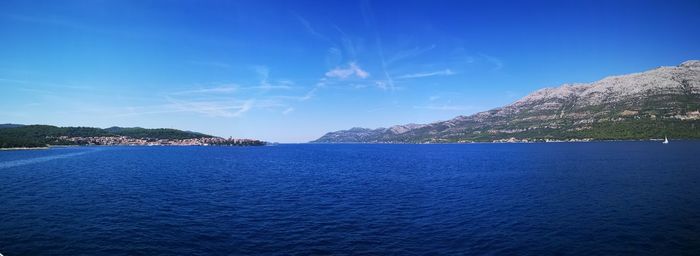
(650, 104)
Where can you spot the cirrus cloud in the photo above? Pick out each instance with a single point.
(352, 70)
(446, 72)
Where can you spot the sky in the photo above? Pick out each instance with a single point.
(290, 71)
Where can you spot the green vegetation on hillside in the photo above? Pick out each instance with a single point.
(159, 133)
(631, 129)
(43, 135)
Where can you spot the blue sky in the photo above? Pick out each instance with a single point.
(289, 71)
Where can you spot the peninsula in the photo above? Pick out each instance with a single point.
(37, 136)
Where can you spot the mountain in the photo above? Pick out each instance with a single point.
(661, 102)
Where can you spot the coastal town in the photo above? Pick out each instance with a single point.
(129, 141)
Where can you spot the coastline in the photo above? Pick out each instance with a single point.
(125, 145)
(507, 142)
(366, 143)
(23, 148)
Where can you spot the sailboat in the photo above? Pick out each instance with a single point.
(665, 140)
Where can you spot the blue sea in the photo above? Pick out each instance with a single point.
(599, 198)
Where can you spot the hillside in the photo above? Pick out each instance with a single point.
(9, 125)
(661, 102)
(43, 135)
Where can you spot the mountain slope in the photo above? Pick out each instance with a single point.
(41, 135)
(10, 125)
(652, 104)
(159, 133)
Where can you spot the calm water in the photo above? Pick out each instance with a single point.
(520, 199)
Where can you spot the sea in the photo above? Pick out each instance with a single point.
(595, 198)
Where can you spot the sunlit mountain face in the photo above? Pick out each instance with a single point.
(654, 104)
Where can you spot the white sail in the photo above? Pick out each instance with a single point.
(665, 140)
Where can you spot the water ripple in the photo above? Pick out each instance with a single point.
(483, 199)
(16, 163)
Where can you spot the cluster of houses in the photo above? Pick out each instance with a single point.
(125, 140)
(515, 140)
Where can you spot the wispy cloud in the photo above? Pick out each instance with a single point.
(446, 72)
(347, 43)
(444, 107)
(219, 89)
(307, 26)
(469, 59)
(262, 71)
(441, 103)
(212, 108)
(368, 17)
(406, 54)
(496, 62)
(230, 100)
(73, 23)
(346, 47)
(310, 94)
(307, 96)
(53, 21)
(208, 108)
(270, 87)
(215, 64)
(43, 86)
(333, 56)
(264, 84)
(462, 55)
(383, 84)
(352, 70)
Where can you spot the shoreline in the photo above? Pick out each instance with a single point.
(346, 143)
(499, 142)
(122, 145)
(24, 148)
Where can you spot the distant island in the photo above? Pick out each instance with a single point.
(650, 105)
(37, 136)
